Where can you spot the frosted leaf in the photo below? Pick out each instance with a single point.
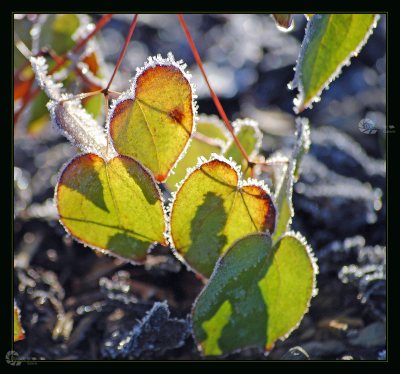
(69, 117)
(212, 208)
(258, 293)
(251, 141)
(154, 334)
(158, 109)
(330, 41)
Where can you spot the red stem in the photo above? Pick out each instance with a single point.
(213, 95)
(124, 48)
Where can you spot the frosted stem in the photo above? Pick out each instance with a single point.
(68, 115)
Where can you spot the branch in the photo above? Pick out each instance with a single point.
(124, 48)
(213, 95)
(61, 62)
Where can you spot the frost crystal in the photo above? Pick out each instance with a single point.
(311, 28)
(69, 117)
(155, 333)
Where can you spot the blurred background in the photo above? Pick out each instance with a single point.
(76, 304)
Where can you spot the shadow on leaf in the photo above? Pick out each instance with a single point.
(205, 234)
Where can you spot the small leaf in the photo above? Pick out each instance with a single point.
(213, 128)
(257, 294)
(153, 121)
(210, 137)
(284, 22)
(284, 191)
(114, 206)
(249, 136)
(19, 332)
(329, 43)
(213, 208)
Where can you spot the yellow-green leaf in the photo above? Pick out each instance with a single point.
(213, 208)
(329, 43)
(210, 137)
(19, 332)
(153, 121)
(257, 294)
(114, 206)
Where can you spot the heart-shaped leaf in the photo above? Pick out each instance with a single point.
(19, 332)
(213, 208)
(153, 121)
(114, 206)
(210, 137)
(329, 42)
(257, 294)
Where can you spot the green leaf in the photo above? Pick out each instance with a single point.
(249, 136)
(210, 137)
(19, 332)
(284, 22)
(57, 30)
(114, 206)
(284, 191)
(257, 294)
(153, 121)
(329, 43)
(212, 208)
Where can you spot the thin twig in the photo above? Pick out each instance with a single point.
(213, 95)
(205, 139)
(124, 48)
(22, 47)
(82, 95)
